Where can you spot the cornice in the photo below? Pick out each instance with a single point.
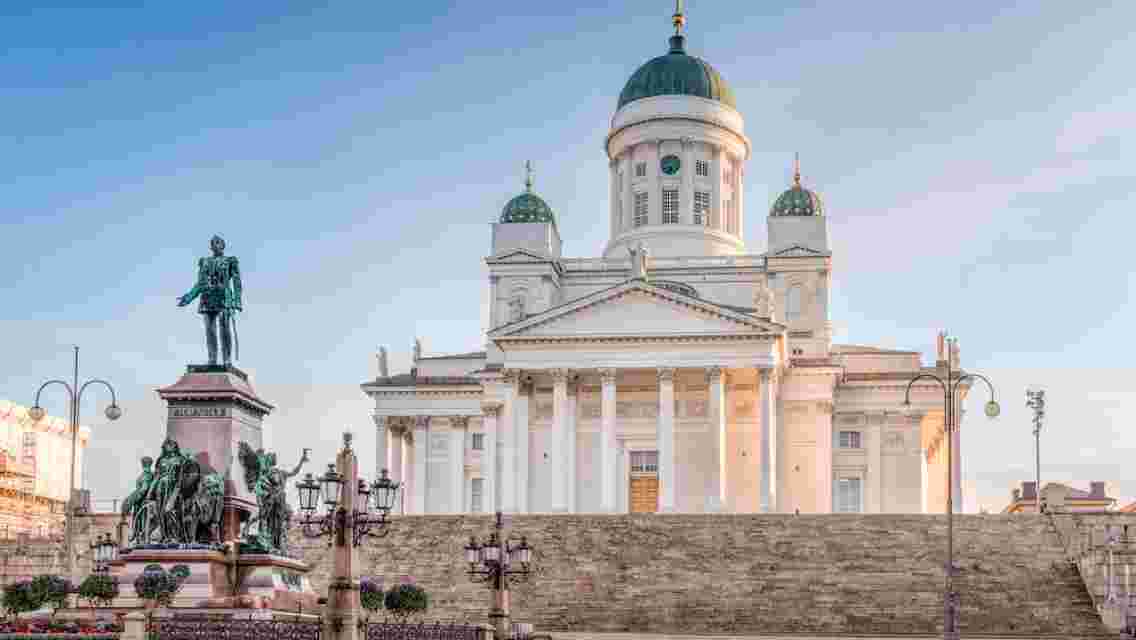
(647, 339)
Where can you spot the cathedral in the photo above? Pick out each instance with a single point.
(677, 371)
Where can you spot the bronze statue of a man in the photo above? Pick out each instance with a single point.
(219, 287)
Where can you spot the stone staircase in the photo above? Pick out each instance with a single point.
(868, 575)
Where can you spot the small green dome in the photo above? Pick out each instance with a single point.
(797, 200)
(676, 74)
(527, 207)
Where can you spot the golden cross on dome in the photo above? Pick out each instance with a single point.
(678, 17)
(528, 175)
(797, 169)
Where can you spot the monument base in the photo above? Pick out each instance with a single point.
(219, 580)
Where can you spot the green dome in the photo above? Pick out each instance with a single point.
(527, 207)
(676, 74)
(797, 201)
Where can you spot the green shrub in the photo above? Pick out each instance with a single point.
(159, 585)
(406, 601)
(51, 590)
(370, 595)
(99, 589)
(19, 597)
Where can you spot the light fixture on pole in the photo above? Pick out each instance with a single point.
(104, 551)
(499, 561)
(952, 384)
(1035, 399)
(360, 518)
(37, 413)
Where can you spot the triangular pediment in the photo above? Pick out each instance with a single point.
(636, 308)
(798, 251)
(518, 255)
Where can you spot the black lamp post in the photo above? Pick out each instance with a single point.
(952, 384)
(360, 519)
(499, 562)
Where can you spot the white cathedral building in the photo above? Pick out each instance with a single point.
(677, 371)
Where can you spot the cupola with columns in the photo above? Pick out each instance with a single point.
(676, 149)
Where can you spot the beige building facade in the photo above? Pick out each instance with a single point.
(679, 371)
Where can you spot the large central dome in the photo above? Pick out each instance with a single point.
(676, 74)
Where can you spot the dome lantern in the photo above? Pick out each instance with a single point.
(797, 200)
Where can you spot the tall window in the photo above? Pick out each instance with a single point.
(478, 442)
(640, 169)
(848, 440)
(670, 206)
(702, 168)
(793, 304)
(848, 495)
(640, 209)
(476, 487)
(701, 207)
(644, 461)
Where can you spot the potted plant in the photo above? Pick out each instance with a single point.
(406, 601)
(370, 597)
(157, 586)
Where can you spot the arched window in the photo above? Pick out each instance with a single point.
(793, 304)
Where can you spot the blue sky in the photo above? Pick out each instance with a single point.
(977, 164)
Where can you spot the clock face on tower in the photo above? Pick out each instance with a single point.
(670, 165)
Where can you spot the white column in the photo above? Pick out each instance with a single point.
(874, 488)
(557, 489)
(686, 193)
(655, 195)
(382, 444)
(570, 443)
(508, 471)
(521, 425)
(489, 421)
(622, 479)
(738, 195)
(421, 452)
(609, 498)
(459, 427)
(493, 280)
(627, 164)
(766, 475)
(716, 221)
(665, 435)
(716, 494)
(397, 437)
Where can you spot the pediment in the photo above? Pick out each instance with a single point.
(798, 251)
(637, 309)
(518, 255)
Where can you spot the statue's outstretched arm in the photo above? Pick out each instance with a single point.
(299, 465)
(197, 287)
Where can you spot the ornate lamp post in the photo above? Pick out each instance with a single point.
(105, 551)
(37, 413)
(952, 384)
(499, 561)
(348, 519)
(1035, 399)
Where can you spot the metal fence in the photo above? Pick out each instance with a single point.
(423, 631)
(234, 629)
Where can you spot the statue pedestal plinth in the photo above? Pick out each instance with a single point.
(210, 410)
(219, 582)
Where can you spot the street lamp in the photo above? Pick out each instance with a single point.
(498, 562)
(37, 413)
(105, 551)
(951, 384)
(1035, 399)
(361, 520)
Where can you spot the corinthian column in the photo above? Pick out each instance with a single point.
(766, 474)
(665, 436)
(382, 434)
(716, 498)
(508, 471)
(421, 453)
(490, 412)
(459, 426)
(608, 496)
(556, 483)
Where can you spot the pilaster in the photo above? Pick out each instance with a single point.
(570, 442)
(556, 454)
(665, 435)
(421, 454)
(716, 493)
(609, 502)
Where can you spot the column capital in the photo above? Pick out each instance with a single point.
(382, 421)
(491, 408)
(607, 376)
(713, 374)
(666, 374)
(560, 376)
(421, 422)
(459, 422)
(511, 376)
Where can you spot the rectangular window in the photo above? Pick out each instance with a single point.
(702, 168)
(640, 209)
(670, 206)
(848, 495)
(644, 461)
(640, 169)
(701, 207)
(849, 440)
(476, 487)
(478, 443)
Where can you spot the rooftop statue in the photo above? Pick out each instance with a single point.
(219, 289)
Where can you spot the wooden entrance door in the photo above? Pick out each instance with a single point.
(644, 496)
